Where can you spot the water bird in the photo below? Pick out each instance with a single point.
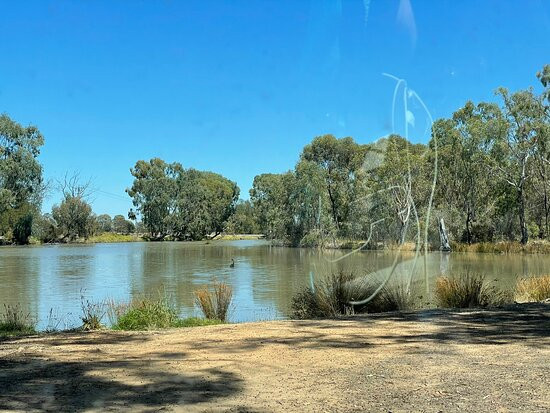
(232, 263)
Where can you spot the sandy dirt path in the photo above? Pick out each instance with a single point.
(431, 361)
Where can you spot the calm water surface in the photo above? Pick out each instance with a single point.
(50, 279)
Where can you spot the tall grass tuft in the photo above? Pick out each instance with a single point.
(14, 321)
(143, 314)
(533, 288)
(92, 314)
(214, 302)
(467, 291)
(331, 297)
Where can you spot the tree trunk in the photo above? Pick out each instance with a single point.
(444, 238)
(468, 230)
(522, 224)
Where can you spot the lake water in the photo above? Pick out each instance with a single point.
(48, 281)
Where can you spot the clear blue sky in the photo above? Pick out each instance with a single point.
(239, 87)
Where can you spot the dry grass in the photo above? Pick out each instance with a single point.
(467, 291)
(14, 321)
(214, 301)
(504, 247)
(331, 297)
(92, 314)
(533, 288)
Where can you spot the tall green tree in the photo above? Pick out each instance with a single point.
(74, 218)
(515, 145)
(464, 178)
(270, 194)
(21, 182)
(340, 161)
(153, 193)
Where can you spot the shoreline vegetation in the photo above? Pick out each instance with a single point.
(329, 298)
(497, 247)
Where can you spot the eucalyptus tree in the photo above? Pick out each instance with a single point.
(21, 182)
(270, 198)
(204, 202)
(104, 222)
(340, 161)
(74, 218)
(153, 193)
(464, 169)
(515, 145)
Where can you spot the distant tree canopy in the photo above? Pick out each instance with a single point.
(21, 182)
(492, 183)
(181, 203)
(492, 180)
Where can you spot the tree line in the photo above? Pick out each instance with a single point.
(492, 180)
(492, 183)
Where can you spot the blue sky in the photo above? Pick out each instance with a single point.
(239, 87)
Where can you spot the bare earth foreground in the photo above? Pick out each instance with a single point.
(478, 361)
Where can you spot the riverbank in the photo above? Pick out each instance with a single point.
(438, 360)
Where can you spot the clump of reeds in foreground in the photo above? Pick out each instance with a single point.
(92, 314)
(215, 301)
(331, 297)
(533, 288)
(15, 321)
(467, 291)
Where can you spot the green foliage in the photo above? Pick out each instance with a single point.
(184, 204)
(243, 220)
(110, 237)
(143, 314)
(74, 218)
(121, 225)
(22, 229)
(104, 223)
(21, 182)
(492, 175)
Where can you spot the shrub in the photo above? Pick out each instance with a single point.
(92, 314)
(143, 314)
(533, 288)
(15, 321)
(304, 305)
(467, 291)
(331, 296)
(393, 297)
(214, 302)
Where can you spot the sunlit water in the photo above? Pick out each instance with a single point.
(48, 281)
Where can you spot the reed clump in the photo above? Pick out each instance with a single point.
(214, 301)
(468, 291)
(331, 296)
(15, 321)
(533, 289)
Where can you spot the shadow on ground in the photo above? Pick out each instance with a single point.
(38, 384)
(526, 324)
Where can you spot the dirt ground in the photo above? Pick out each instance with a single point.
(431, 361)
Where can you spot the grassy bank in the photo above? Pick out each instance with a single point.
(111, 237)
(236, 237)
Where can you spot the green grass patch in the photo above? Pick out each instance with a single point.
(150, 314)
(110, 237)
